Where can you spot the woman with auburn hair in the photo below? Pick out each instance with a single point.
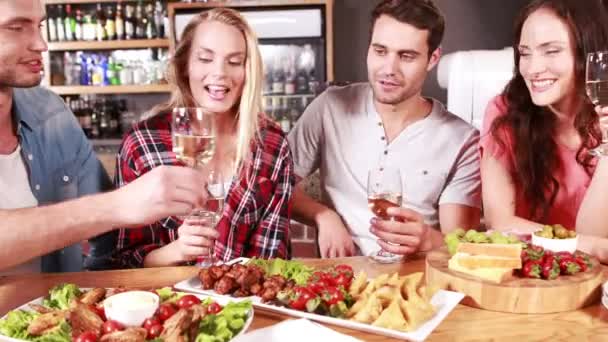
(217, 66)
(536, 163)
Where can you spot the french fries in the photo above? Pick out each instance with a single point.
(391, 301)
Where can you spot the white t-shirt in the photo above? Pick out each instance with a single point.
(342, 135)
(15, 193)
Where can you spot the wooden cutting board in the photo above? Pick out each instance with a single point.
(517, 295)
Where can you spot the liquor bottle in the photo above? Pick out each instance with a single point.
(78, 27)
(129, 22)
(158, 19)
(306, 66)
(276, 108)
(149, 22)
(284, 120)
(100, 16)
(119, 22)
(69, 23)
(104, 120)
(110, 24)
(290, 82)
(140, 21)
(89, 27)
(95, 131)
(114, 119)
(278, 80)
(86, 113)
(60, 23)
(52, 26)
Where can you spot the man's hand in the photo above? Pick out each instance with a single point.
(334, 239)
(164, 191)
(407, 234)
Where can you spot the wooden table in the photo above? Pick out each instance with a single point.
(464, 323)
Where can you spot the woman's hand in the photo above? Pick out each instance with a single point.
(195, 238)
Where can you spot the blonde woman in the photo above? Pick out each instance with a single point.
(216, 65)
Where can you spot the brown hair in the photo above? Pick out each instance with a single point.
(422, 14)
(533, 127)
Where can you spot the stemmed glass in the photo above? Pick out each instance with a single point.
(384, 190)
(597, 91)
(193, 134)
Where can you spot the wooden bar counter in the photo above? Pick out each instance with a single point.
(464, 323)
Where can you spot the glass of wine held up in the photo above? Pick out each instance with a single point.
(597, 91)
(193, 134)
(384, 190)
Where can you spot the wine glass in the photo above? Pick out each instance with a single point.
(597, 91)
(193, 134)
(384, 190)
(211, 212)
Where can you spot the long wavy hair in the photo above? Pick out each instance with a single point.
(533, 127)
(250, 102)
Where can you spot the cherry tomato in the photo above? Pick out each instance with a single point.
(154, 320)
(110, 327)
(154, 331)
(302, 296)
(214, 308)
(332, 295)
(188, 301)
(165, 311)
(88, 336)
(317, 286)
(344, 269)
(343, 280)
(321, 275)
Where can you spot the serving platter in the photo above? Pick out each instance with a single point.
(443, 301)
(517, 295)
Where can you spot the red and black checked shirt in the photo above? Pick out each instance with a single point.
(256, 216)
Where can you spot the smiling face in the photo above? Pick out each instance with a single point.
(547, 59)
(21, 42)
(216, 66)
(397, 66)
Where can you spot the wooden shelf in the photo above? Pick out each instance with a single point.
(121, 89)
(109, 44)
(63, 2)
(245, 3)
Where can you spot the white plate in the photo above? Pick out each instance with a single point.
(221, 300)
(444, 301)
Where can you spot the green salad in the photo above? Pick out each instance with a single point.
(289, 269)
(219, 324)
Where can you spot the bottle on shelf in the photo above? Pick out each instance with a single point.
(89, 27)
(119, 22)
(284, 120)
(69, 23)
(110, 26)
(140, 21)
(52, 26)
(86, 116)
(59, 22)
(150, 27)
(278, 79)
(129, 22)
(78, 26)
(158, 19)
(100, 17)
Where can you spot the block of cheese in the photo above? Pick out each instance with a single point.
(487, 261)
(491, 249)
(492, 274)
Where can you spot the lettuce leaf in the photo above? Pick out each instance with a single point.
(289, 269)
(16, 322)
(61, 295)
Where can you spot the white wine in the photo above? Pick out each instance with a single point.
(194, 150)
(379, 203)
(598, 92)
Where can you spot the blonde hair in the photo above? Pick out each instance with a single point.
(250, 102)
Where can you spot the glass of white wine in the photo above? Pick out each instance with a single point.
(597, 91)
(193, 135)
(384, 190)
(211, 213)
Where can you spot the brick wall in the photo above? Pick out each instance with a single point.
(303, 241)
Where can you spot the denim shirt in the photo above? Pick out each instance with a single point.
(60, 161)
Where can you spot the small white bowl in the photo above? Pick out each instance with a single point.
(556, 245)
(131, 308)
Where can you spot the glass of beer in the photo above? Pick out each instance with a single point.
(384, 190)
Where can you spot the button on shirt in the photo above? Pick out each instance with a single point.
(342, 134)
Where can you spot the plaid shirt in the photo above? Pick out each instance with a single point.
(256, 216)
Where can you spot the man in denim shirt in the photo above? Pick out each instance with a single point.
(45, 159)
